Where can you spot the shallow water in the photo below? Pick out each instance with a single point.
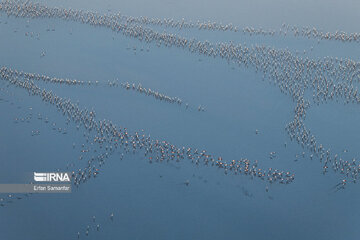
(152, 201)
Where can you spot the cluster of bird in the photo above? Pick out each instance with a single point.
(285, 29)
(154, 150)
(128, 86)
(298, 131)
(328, 79)
(28, 9)
(95, 225)
(10, 198)
(73, 82)
(147, 91)
(159, 96)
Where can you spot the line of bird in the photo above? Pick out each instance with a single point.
(153, 150)
(125, 85)
(23, 8)
(328, 78)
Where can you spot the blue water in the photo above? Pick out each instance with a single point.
(150, 201)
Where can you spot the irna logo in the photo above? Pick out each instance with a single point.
(51, 177)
